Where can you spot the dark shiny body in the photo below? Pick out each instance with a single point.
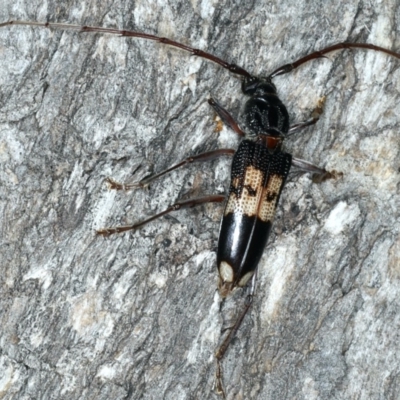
(259, 171)
(243, 237)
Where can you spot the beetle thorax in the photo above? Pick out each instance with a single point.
(264, 113)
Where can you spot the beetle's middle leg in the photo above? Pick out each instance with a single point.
(319, 174)
(207, 156)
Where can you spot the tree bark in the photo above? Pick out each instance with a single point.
(137, 315)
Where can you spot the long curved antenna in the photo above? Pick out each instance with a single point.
(126, 33)
(284, 69)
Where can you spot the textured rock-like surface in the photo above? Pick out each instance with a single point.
(137, 315)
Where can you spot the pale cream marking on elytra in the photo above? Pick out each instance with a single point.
(258, 201)
(246, 203)
(225, 272)
(245, 279)
(235, 182)
(271, 192)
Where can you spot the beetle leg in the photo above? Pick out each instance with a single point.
(226, 117)
(318, 110)
(319, 174)
(209, 155)
(219, 354)
(174, 207)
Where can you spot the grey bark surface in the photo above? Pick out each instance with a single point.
(138, 315)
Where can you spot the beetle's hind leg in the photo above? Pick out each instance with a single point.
(219, 354)
(174, 207)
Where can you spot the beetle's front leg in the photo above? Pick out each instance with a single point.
(315, 115)
(226, 117)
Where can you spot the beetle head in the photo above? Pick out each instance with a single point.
(258, 86)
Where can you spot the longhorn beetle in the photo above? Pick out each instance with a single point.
(259, 169)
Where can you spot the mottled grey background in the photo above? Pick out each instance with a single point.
(137, 315)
